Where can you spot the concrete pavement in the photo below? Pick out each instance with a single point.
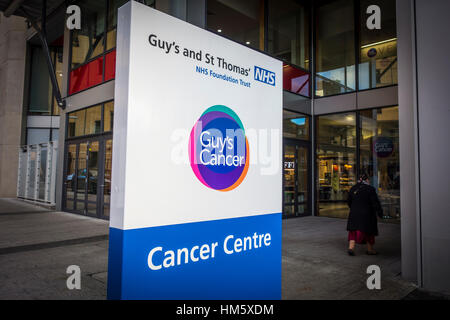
(37, 245)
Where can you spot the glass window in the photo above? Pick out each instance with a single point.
(108, 116)
(378, 47)
(242, 21)
(379, 156)
(89, 120)
(37, 135)
(336, 162)
(93, 120)
(295, 125)
(40, 86)
(113, 6)
(55, 134)
(59, 73)
(335, 52)
(88, 42)
(76, 123)
(289, 31)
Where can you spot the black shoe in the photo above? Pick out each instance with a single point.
(350, 252)
(372, 253)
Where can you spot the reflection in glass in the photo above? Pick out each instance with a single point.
(87, 43)
(107, 181)
(335, 54)
(93, 120)
(108, 116)
(81, 173)
(76, 123)
(59, 73)
(295, 168)
(288, 34)
(302, 179)
(241, 21)
(92, 178)
(289, 174)
(336, 162)
(70, 175)
(378, 52)
(295, 125)
(113, 6)
(379, 156)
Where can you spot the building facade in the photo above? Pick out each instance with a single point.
(354, 102)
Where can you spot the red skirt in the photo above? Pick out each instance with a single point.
(361, 237)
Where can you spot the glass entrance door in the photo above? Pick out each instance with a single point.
(296, 195)
(88, 176)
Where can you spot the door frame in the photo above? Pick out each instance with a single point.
(307, 145)
(101, 139)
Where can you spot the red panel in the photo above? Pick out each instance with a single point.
(295, 80)
(86, 76)
(110, 65)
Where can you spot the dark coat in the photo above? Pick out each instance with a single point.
(364, 208)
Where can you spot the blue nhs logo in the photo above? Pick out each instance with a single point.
(265, 76)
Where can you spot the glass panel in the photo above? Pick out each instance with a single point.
(288, 37)
(110, 65)
(335, 54)
(76, 123)
(86, 76)
(92, 176)
(107, 182)
(241, 21)
(378, 53)
(336, 156)
(69, 204)
(59, 74)
(87, 43)
(380, 156)
(55, 134)
(108, 115)
(93, 120)
(289, 176)
(40, 85)
(289, 210)
(42, 173)
(70, 175)
(32, 177)
(295, 125)
(36, 136)
(113, 6)
(296, 80)
(81, 205)
(82, 172)
(302, 176)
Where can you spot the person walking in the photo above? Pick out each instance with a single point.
(362, 223)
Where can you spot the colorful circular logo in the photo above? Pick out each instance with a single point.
(218, 149)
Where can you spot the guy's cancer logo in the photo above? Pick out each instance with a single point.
(218, 149)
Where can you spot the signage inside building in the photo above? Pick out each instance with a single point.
(195, 200)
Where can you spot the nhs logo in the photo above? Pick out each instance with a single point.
(265, 76)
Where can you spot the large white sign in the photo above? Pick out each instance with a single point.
(196, 181)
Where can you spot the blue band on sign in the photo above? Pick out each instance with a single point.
(238, 258)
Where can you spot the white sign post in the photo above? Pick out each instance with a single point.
(197, 166)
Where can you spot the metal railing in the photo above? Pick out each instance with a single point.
(36, 179)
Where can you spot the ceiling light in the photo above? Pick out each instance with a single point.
(377, 43)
